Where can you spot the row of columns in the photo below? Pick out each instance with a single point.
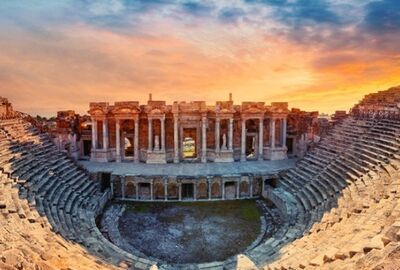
(283, 124)
(176, 137)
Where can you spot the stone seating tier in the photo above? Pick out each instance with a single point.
(354, 181)
(349, 180)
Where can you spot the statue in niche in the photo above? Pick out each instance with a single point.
(224, 141)
(156, 143)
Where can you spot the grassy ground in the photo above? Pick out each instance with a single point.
(191, 231)
(245, 209)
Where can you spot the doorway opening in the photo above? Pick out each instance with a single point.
(230, 190)
(128, 146)
(289, 145)
(87, 147)
(105, 181)
(187, 191)
(144, 191)
(251, 147)
(128, 131)
(189, 149)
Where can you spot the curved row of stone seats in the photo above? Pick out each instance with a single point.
(60, 190)
(357, 234)
(26, 241)
(336, 172)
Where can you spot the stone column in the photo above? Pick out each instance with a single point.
(243, 141)
(230, 144)
(176, 140)
(237, 189)
(261, 139)
(272, 132)
(217, 136)
(136, 142)
(223, 190)
(262, 186)
(112, 186)
(209, 189)
(251, 187)
(284, 131)
(137, 190)
(150, 135)
(204, 139)
(162, 120)
(94, 134)
(151, 190)
(165, 189)
(123, 186)
(180, 191)
(105, 134)
(117, 141)
(60, 140)
(194, 191)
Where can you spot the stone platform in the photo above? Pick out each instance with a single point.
(266, 167)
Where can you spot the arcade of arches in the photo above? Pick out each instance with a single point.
(153, 188)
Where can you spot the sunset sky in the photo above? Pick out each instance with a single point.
(316, 55)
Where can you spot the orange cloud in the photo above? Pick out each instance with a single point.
(70, 67)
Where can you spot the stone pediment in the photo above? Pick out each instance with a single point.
(126, 107)
(126, 110)
(226, 111)
(253, 110)
(98, 108)
(96, 112)
(156, 111)
(253, 107)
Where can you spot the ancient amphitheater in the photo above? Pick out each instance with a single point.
(339, 206)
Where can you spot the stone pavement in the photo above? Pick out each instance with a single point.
(266, 167)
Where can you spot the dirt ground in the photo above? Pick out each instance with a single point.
(191, 232)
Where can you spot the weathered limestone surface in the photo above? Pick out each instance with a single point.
(340, 205)
(244, 263)
(343, 197)
(50, 204)
(218, 133)
(28, 242)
